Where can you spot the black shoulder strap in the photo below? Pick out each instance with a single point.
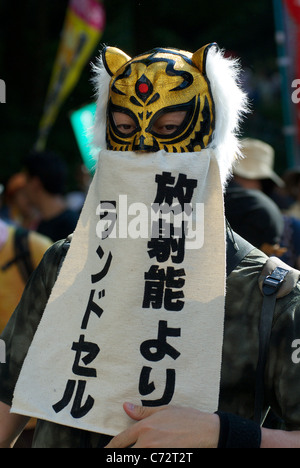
(270, 288)
(237, 249)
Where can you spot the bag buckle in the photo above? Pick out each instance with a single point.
(273, 282)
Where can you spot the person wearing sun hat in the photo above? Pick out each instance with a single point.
(257, 203)
(257, 163)
(250, 211)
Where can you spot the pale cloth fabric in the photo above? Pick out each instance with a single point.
(195, 332)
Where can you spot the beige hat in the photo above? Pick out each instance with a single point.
(258, 161)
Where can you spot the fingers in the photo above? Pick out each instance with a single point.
(138, 412)
(124, 440)
(130, 436)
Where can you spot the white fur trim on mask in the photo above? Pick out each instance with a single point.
(101, 81)
(231, 104)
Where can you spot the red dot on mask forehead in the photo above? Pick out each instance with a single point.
(143, 88)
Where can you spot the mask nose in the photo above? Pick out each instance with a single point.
(145, 143)
(140, 145)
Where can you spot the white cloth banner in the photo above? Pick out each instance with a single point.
(137, 316)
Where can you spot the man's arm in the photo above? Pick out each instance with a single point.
(176, 427)
(11, 426)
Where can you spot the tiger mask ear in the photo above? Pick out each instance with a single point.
(114, 59)
(199, 58)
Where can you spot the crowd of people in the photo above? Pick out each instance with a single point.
(259, 205)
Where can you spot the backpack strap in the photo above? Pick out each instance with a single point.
(22, 254)
(275, 281)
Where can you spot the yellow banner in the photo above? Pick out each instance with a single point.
(84, 24)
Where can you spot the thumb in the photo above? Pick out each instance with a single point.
(138, 412)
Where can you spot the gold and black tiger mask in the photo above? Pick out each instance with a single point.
(160, 100)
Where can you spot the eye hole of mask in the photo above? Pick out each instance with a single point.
(171, 121)
(168, 124)
(124, 123)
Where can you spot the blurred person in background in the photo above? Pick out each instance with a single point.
(292, 181)
(292, 216)
(251, 211)
(46, 180)
(255, 217)
(20, 253)
(17, 207)
(256, 169)
(75, 199)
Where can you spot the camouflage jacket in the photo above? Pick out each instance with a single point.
(240, 349)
